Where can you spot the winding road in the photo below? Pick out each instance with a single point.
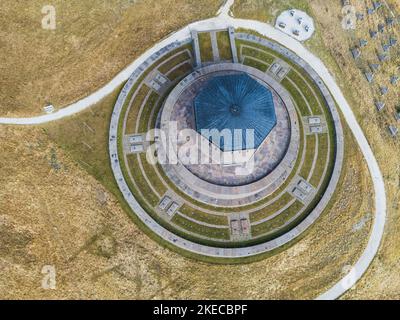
(224, 20)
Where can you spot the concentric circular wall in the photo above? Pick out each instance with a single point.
(229, 209)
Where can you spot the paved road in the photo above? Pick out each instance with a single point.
(223, 21)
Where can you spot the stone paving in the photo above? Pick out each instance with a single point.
(231, 32)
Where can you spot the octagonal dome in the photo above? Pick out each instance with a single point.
(235, 102)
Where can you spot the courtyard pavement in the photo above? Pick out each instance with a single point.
(224, 21)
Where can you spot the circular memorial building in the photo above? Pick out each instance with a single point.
(226, 145)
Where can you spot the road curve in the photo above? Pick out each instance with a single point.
(222, 21)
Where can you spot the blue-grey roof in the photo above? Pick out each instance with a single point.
(234, 102)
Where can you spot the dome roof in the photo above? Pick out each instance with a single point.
(235, 102)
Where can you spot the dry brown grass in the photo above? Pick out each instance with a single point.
(94, 40)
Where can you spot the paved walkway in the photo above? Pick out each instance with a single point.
(223, 21)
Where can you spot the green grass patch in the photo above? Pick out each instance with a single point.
(152, 175)
(224, 45)
(257, 53)
(140, 180)
(205, 47)
(134, 110)
(297, 97)
(214, 233)
(147, 110)
(321, 160)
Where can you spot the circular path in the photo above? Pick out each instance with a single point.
(223, 21)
